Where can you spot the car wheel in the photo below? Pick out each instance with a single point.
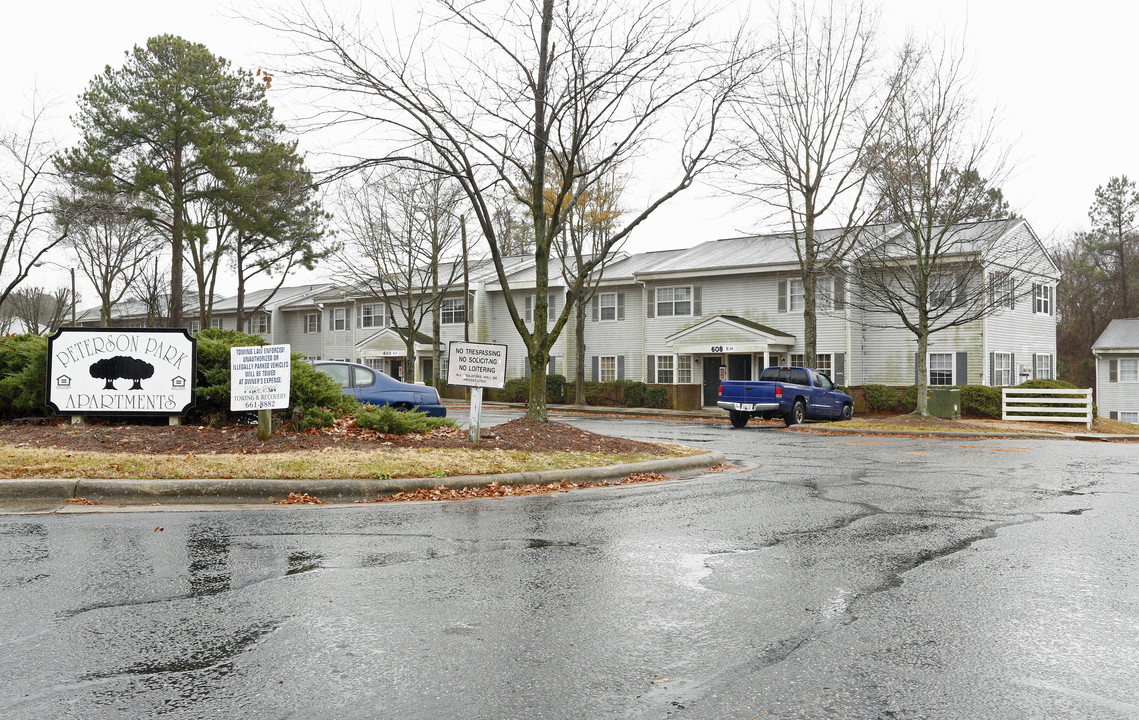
(798, 412)
(739, 419)
(402, 407)
(847, 411)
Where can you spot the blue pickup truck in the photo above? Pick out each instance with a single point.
(792, 393)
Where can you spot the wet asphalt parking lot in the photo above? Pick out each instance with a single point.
(821, 577)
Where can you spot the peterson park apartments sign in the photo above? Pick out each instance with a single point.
(111, 371)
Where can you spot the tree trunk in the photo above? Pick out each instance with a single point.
(176, 245)
(922, 372)
(579, 350)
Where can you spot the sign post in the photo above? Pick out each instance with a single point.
(259, 379)
(476, 365)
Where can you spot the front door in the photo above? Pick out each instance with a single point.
(712, 365)
(396, 369)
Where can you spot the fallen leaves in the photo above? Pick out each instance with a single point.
(497, 489)
(300, 499)
(81, 501)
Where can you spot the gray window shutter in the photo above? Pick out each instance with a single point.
(651, 310)
(620, 306)
(1113, 371)
(552, 305)
(839, 369)
(1013, 377)
(651, 368)
(840, 293)
(347, 320)
(470, 307)
(596, 308)
(526, 368)
(916, 379)
(359, 316)
(1032, 299)
(696, 310)
(782, 296)
(1113, 415)
(552, 369)
(1052, 304)
(529, 308)
(596, 368)
(620, 367)
(962, 376)
(1035, 376)
(992, 369)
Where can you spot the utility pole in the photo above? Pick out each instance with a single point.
(72, 296)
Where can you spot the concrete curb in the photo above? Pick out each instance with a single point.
(199, 491)
(964, 435)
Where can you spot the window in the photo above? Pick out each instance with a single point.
(824, 294)
(607, 303)
(215, 323)
(453, 311)
(374, 363)
(823, 362)
(1129, 417)
(664, 369)
(339, 319)
(1042, 302)
(795, 295)
(372, 316)
(195, 326)
(941, 369)
(1002, 369)
(312, 323)
(259, 324)
(1002, 291)
(608, 365)
(674, 301)
(943, 290)
(684, 369)
(1129, 370)
(1042, 366)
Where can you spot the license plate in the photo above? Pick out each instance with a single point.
(745, 407)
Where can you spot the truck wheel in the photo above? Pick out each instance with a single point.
(738, 419)
(798, 412)
(847, 412)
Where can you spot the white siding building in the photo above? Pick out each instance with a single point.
(1116, 354)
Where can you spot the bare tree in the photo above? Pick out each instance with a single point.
(947, 258)
(40, 311)
(32, 222)
(590, 85)
(152, 292)
(809, 120)
(401, 229)
(113, 247)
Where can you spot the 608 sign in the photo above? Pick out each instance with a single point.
(723, 348)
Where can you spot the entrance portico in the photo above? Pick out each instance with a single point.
(730, 348)
(386, 351)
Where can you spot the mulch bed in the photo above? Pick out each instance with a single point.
(518, 434)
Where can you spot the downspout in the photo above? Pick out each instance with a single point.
(644, 324)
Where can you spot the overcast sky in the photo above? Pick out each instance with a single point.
(1061, 77)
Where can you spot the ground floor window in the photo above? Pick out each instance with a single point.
(374, 363)
(1129, 417)
(684, 369)
(664, 369)
(608, 365)
(941, 369)
(824, 362)
(1002, 369)
(1043, 366)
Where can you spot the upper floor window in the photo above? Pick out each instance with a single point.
(796, 295)
(312, 323)
(674, 301)
(453, 311)
(607, 306)
(1042, 299)
(944, 290)
(372, 315)
(339, 319)
(1002, 290)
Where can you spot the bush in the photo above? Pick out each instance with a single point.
(387, 419)
(607, 393)
(23, 375)
(881, 398)
(1051, 385)
(656, 396)
(555, 388)
(634, 393)
(516, 390)
(980, 400)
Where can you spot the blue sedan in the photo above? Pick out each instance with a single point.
(375, 388)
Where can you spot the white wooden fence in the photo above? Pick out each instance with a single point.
(1057, 406)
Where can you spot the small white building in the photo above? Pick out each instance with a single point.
(1116, 353)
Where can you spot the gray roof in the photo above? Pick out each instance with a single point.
(283, 296)
(1122, 334)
